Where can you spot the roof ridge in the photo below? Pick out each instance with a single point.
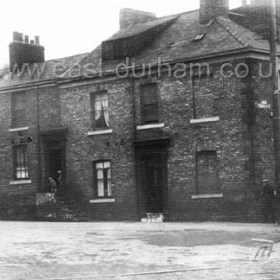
(233, 34)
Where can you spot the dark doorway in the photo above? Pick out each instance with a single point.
(152, 178)
(154, 184)
(55, 162)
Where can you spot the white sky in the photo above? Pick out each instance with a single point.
(69, 27)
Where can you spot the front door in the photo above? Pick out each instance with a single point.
(152, 179)
(154, 184)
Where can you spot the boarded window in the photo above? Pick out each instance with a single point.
(19, 162)
(102, 178)
(203, 97)
(207, 172)
(19, 109)
(100, 110)
(149, 103)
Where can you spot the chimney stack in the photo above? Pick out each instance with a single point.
(210, 9)
(129, 17)
(37, 40)
(25, 51)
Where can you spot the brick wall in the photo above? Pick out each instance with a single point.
(242, 139)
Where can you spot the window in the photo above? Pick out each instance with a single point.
(20, 166)
(199, 37)
(18, 109)
(100, 110)
(207, 172)
(102, 172)
(149, 103)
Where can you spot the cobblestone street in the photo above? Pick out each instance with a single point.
(136, 251)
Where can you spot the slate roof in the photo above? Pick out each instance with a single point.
(137, 29)
(175, 43)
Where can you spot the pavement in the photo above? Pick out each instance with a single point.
(128, 251)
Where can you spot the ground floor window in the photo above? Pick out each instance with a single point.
(207, 172)
(102, 174)
(19, 162)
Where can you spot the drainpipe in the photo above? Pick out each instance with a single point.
(275, 96)
(134, 140)
(38, 138)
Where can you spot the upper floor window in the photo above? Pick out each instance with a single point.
(20, 170)
(100, 110)
(102, 172)
(149, 103)
(18, 100)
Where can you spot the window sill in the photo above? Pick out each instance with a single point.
(20, 182)
(205, 196)
(18, 129)
(100, 132)
(150, 126)
(102, 200)
(204, 120)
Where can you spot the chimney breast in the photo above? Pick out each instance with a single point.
(210, 9)
(129, 17)
(25, 51)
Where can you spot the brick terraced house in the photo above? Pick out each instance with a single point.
(169, 116)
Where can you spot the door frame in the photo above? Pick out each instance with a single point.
(143, 151)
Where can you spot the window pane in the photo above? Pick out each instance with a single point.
(103, 179)
(109, 187)
(100, 108)
(149, 103)
(100, 174)
(100, 188)
(21, 171)
(19, 109)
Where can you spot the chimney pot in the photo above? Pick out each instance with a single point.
(15, 36)
(20, 37)
(37, 40)
(26, 39)
(32, 42)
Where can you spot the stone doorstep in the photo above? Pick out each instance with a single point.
(153, 218)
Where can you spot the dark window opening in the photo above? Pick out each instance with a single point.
(102, 174)
(18, 109)
(149, 104)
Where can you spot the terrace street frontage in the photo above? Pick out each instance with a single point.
(31, 250)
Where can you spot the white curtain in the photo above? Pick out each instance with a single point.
(97, 107)
(100, 181)
(105, 109)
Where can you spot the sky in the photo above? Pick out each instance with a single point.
(69, 27)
